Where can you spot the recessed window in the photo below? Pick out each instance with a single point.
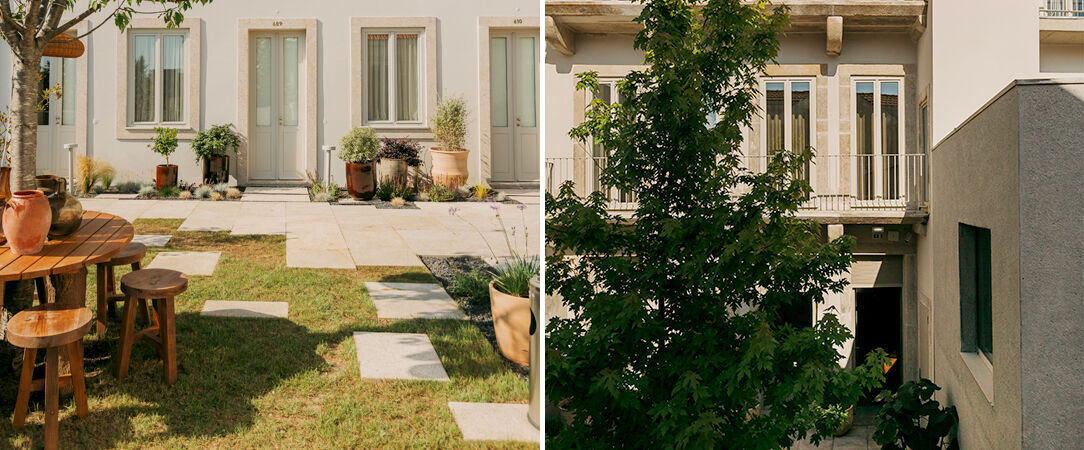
(393, 69)
(976, 299)
(878, 125)
(157, 76)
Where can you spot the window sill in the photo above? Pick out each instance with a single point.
(184, 131)
(403, 132)
(982, 372)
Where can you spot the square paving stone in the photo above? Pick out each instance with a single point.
(152, 240)
(188, 263)
(493, 422)
(224, 308)
(402, 356)
(413, 301)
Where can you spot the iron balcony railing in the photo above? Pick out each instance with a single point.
(839, 182)
(1062, 8)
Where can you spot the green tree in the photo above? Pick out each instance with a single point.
(28, 26)
(677, 337)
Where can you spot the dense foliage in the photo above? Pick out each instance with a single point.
(164, 142)
(215, 142)
(359, 145)
(404, 149)
(513, 276)
(677, 336)
(450, 124)
(910, 418)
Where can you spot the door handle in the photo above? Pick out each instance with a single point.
(517, 121)
(280, 121)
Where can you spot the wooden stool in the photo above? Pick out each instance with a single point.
(160, 286)
(50, 326)
(132, 254)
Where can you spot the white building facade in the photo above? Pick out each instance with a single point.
(293, 77)
(877, 88)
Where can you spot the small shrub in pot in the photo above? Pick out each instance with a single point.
(212, 148)
(450, 132)
(358, 149)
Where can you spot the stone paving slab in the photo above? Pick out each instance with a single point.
(211, 216)
(188, 263)
(169, 209)
(494, 422)
(413, 301)
(152, 240)
(115, 196)
(225, 308)
(402, 356)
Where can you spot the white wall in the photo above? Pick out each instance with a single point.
(457, 29)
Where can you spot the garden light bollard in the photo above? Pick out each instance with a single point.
(327, 162)
(536, 350)
(71, 162)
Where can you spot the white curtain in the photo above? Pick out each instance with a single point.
(525, 82)
(498, 81)
(774, 110)
(263, 82)
(406, 77)
(289, 81)
(172, 78)
(377, 49)
(143, 67)
(864, 138)
(67, 109)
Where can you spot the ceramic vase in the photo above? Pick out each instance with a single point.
(511, 324)
(359, 180)
(67, 212)
(26, 222)
(5, 195)
(449, 167)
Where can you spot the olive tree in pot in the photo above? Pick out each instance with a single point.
(357, 149)
(212, 148)
(450, 132)
(395, 157)
(165, 143)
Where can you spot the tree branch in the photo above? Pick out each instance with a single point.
(30, 23)
(75, 20)
(52, 17)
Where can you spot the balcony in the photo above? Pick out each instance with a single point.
(1062, 8)
(849, 189)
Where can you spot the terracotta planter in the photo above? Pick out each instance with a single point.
(391, 170)
(449, 167)
(511, 324)
(359, 180)
(165, 175)
(843, 429)
(5, 195)
(216, 169)
(26, 222)
(67, 212)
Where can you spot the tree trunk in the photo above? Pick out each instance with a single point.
(25, 94)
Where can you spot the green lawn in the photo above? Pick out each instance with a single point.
(272, 382)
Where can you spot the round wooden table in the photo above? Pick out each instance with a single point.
(98, 238)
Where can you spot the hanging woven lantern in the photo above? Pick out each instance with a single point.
(64, 46)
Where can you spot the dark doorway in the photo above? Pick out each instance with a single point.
(877, 325)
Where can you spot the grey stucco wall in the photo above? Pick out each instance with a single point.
(976, 182)
(1052, 263)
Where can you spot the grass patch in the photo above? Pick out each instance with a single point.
(272, 382)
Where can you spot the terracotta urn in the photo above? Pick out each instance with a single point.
(360, 183)
(5, 195)
(449, 167)
(216, 169)
(846, 426)
(511, 324)
(165, 175)
(66, 210)
(26, 222)
(391, 171)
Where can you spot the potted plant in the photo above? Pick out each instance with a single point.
(394, 157)
(511, 307)
(165, 143)
(357, 149)
(450, 133)
(212, 148)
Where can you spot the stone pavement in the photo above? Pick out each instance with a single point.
(401, 356)
(493, 421)
(223, 308)
(343, 236)
(412, 301)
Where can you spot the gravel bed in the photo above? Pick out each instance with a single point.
(445, 268)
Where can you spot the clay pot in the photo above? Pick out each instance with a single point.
(449, 167)
(165, 175)
(391, 170)
(359, 180)
(843, 429)
(216, 169)
(67, 212)
(26, 222)
(511, 324)
(5, 195)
